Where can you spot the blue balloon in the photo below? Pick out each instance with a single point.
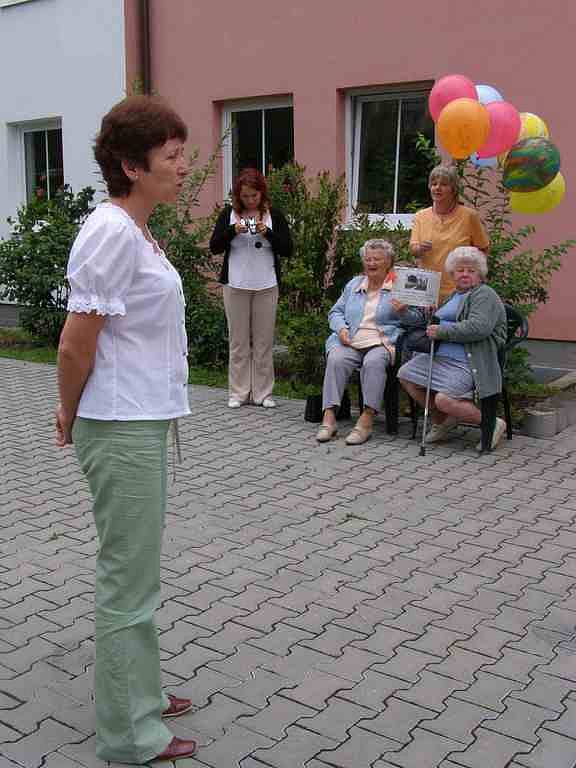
(486, 94)
(483, 162)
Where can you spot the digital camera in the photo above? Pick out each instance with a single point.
(250, 223)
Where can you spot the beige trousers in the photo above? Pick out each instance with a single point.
(251, 317)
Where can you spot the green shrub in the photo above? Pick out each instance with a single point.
(183, 237)
(349, 240)
(33, 263)
(33, 259)
(519, 274)
(313, 208)
(304, 334)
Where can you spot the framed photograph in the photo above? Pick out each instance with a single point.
(416, 287)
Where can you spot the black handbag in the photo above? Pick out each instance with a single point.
(414, 338)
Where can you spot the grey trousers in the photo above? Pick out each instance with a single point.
(371, 362)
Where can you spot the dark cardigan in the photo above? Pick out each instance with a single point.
(278, 236)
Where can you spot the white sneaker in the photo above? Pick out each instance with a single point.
(233, 402)
(268, 403)
(439, 432)
(499, 432)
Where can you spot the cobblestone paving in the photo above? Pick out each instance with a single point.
(326, 606)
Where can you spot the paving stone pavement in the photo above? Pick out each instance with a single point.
(325, 606)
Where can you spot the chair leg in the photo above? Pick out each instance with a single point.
(344, 411)
(413, 416)
(391, 403)
(507, 413)
(360, 397)
(488, 407)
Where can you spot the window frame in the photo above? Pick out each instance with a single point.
(244, 105)
(355, 98)
(16, 142)
(7, 3)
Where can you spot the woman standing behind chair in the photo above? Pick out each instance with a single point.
(366, 324)
(444, 226)
(254, 238)
(123, 375)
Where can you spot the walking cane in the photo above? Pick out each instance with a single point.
(434, 321)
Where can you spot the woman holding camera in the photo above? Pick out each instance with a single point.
(253, 237)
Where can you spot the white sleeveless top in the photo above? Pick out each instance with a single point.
(251, 260)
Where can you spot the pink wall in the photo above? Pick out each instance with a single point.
(206, 53)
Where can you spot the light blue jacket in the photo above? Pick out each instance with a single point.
(349, 311)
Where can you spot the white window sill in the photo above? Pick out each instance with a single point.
(6, 3)
(393, 220)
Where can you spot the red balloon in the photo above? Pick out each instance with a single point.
(447, 89)
(505, 125)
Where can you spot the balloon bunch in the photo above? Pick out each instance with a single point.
(474, 121)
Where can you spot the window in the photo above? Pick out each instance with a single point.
(43, 160)
(388, 175)
(259, 135)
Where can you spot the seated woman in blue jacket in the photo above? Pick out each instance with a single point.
(366, 324)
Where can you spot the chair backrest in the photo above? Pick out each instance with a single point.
(517, 327)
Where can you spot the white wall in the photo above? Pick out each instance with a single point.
(58, 59)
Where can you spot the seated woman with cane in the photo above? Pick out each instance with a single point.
(366, 324)
(471, 331)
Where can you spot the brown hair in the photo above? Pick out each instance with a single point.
(447, 173)
(250, 177)
(128, 132)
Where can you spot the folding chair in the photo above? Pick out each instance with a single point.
(517, 332)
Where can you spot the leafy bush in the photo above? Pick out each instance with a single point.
(33, 260)
(304, 334)
(349, 240)
(33, 263)
(519, 274)
(313, 208)
(183, 237)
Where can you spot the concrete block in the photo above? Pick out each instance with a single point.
(540, 423)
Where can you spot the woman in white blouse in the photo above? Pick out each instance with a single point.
(122, 374)
(254, 238)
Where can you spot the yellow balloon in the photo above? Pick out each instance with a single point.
(532, 126)
(463, 127)
(541, 201)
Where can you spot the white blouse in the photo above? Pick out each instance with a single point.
(141, 368)
(251, 264)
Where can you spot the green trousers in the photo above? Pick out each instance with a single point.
(125, 465)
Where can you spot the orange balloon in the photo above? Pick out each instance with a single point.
(463, 127)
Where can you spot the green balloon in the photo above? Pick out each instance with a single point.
(531, 165)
